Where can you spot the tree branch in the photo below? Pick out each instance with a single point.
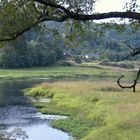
(14, 35)
(97, 16)
(69, 14)
(133, 86)
(135, 51)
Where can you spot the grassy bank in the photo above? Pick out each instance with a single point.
(96, 110)
(94, 72)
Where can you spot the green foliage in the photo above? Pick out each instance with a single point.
(110, 46)
(31, 51)
(13, 17)
(39, 92)
(99, 42)
(77, 59)
(75, 126)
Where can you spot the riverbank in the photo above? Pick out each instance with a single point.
(96, 110)
(93, 71)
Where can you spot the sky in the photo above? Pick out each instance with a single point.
(103, 6)
(110, 5)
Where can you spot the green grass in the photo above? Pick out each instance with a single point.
(97, 110)
(62, 73)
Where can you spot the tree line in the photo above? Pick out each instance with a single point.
(39, 48)
(31, 50)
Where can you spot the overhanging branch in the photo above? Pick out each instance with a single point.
(96, 16)
(14, 35)
(69, 14)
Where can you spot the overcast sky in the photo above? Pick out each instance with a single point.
(110, 5)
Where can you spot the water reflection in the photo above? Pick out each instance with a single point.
(15, 134)
(11, 90)
(45, 133)
(16, 111)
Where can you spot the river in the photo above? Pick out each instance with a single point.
(17, 112)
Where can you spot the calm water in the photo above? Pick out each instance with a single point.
(17, 112)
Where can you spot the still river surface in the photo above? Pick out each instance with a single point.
(16, 111)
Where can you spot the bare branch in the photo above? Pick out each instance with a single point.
(133, 86)
(129, 46)
(135, 51)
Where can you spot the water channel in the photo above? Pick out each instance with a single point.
(16, 111)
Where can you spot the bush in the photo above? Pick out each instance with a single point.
(66, 63)
(77, 59)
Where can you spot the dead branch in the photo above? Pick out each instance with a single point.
(134, 51)
(133, 86)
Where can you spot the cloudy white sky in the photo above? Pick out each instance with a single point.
(110, 5)
(103, 6)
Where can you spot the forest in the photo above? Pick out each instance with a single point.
(39, 49)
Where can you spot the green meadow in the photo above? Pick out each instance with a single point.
(93, 72)
(96, 107)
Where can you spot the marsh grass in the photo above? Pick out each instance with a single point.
(67, 73)
(97, 110)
